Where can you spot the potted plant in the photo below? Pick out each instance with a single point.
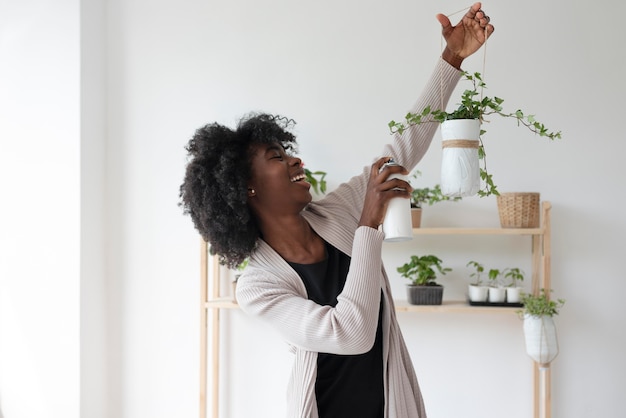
(426, 195)
(477, 292)
(422, 272)
(497, 291)
(513, 289)
(539, 328)
(462, 134)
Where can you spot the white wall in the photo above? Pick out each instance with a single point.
(342, 70)
(40, 209)
(97, 339)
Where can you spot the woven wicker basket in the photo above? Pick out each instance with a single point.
(518, 210)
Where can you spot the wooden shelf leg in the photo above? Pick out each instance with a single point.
(215, 364)
(546, 389)
(203, 325)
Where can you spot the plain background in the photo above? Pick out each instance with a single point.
(99, 288)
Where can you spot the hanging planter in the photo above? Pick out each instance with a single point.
(460, 169)
(540, 336)
(539, 329)
(460, 157)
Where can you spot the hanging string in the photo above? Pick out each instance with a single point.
(484, 59)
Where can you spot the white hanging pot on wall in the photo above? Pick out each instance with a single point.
(460, 171)
(541, 340)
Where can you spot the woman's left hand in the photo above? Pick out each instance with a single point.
(467, 36)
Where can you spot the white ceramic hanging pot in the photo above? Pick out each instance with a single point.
(541, 340)
(460, 170)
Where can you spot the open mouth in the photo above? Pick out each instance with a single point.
(298, 178)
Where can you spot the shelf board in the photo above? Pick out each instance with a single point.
(225, 302)
(477, 231)
(452, 306)
(401, 306)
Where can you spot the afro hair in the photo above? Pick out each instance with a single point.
(215, 188)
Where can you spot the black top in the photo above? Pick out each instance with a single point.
(347, 385)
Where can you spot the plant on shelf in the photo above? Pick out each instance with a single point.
(477, 292)
(422, 272)
(514, 289)
(475, 107)
(497, 292)
(431, 196)
(317, 179)
(426, 195)
(539, 327)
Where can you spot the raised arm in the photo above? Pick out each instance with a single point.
(467, 36)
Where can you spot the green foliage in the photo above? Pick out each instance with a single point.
(540, 305)
(423, 270)
(319, 185)
(515, 274)
(495, 275)
(428, 195)
(474, 107)
(480, 269)
(242, 265)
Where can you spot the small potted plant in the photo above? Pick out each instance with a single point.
(426, 195)
(422, 272)
(513, 289)
(477, 291)
(462, 134)
(539, 328)
(497, 291)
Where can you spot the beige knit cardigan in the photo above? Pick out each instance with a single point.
(272, 291)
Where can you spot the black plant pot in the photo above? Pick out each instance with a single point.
(424, 295)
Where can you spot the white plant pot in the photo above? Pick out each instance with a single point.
(497, 294)
(477, 293)
(513, 294)
(460, 170)
(541, 340)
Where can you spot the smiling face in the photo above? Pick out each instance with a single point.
(277, 184)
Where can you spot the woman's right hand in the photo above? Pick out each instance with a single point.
(380, 189)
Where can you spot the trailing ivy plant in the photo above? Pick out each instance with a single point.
(472, 106)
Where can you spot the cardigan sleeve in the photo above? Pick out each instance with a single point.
(278, 297)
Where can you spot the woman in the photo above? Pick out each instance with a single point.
(315, 271)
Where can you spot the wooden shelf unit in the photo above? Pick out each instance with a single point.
(213, 300)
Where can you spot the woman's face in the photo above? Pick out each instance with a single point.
(277, 185)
